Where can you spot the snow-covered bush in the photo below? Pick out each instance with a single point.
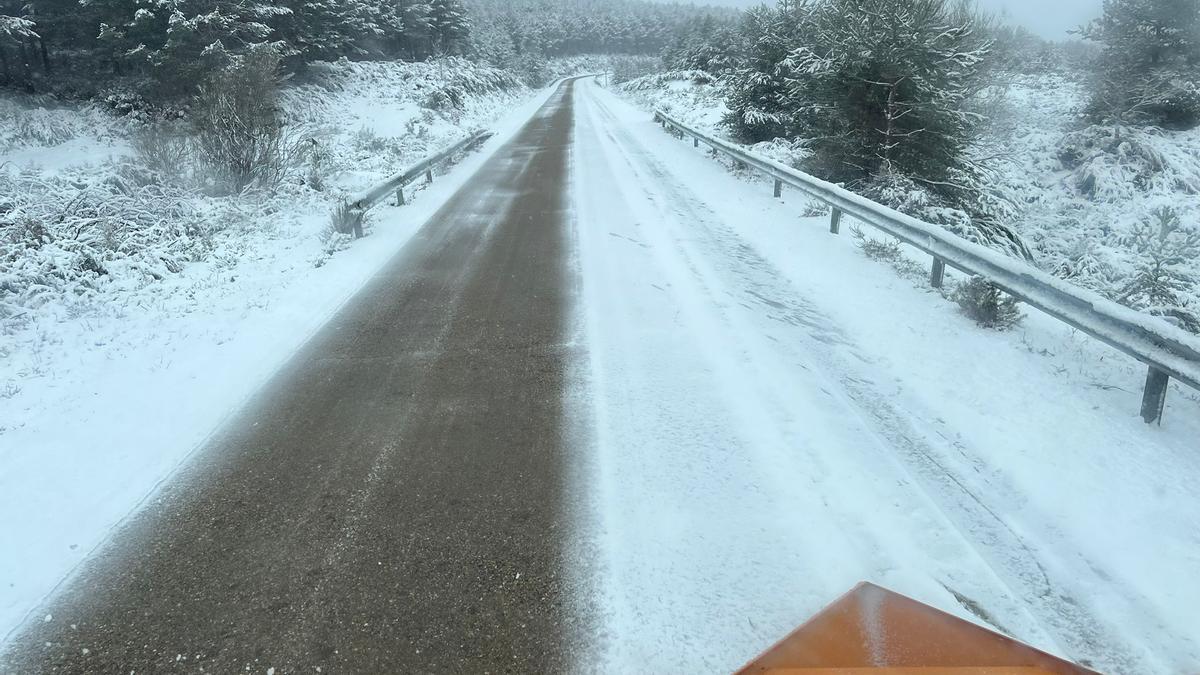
(691, 96)
(882, 250)
(814, 209)
(626, 68)
(68, 238)
(987, 305)
(654, 81)
(984, 224)
(586, 64)
(887, 250)
(1082, 192)
(468, 81)
(345, 219)
(239, 133)
(165, 149)
(35, 122)
(1161, 280)
(1110, 163)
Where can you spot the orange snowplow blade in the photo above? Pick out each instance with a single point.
(873, 631)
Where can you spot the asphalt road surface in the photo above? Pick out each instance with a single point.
(394, 500)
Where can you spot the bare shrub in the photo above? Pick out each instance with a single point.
(240, 135)
(163, 148)
(367, 140)
(987, 305)
(318, 161)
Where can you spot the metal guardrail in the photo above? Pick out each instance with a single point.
(360, 203)
(396, 183)
(1168, 351)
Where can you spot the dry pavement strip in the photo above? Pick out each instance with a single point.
(394, 500)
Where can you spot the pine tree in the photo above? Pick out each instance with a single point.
(417, 36)
(326, 30)
(882, 87)
(1149, 65)
(1161, 281)
(878, 91)
(448, 26)
(760, 107)
(15, 32)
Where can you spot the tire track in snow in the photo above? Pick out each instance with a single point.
(1017, 564)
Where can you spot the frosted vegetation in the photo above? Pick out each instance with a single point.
(154, 215)
(1080, 156)
(159, 158)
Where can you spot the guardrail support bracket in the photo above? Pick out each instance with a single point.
(778, 188)
(938, 274)
(835, 220)
(1154, 399)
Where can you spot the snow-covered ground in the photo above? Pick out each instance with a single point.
(107, 381)
(777, 418)
(1079, 191)
(1083, 189)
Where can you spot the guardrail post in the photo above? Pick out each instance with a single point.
(835, 220)
(1154, 399)
(429, 175)
(938, 273)
(400, 196)
(695, 142)
(778, 188)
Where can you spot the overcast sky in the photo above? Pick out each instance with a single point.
(1048, 18)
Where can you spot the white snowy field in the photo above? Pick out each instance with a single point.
(776, 417)
(106, 391)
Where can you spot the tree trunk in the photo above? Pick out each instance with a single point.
(26, 72)
(45, 54)
(890, 132)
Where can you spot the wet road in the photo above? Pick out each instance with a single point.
(394, 500)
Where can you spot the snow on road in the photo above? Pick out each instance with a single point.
(776, 418)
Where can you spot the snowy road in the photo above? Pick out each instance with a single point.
(616, 409)
(756, 452)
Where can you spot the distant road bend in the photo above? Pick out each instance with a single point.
(393, 500)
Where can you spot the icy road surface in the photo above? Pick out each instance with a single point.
(613, 408)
